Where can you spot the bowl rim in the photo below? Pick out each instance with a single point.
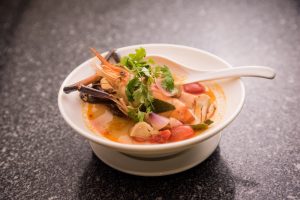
(152, 147)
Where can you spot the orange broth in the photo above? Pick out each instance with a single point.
(103, 123)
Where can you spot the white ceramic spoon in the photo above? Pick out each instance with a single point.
(206, 75)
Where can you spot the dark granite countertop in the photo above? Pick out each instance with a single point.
(41, 157)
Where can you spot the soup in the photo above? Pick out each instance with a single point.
(142, 100)
(101, 120)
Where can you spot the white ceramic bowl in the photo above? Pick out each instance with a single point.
(131, 154)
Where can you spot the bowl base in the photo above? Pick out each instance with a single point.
(167, 165)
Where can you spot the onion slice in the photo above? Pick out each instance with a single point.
(157, 121)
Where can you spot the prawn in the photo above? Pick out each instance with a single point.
(116, 76)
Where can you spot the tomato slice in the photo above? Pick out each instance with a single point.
(194, 88)
(161, 137)
(181, 133)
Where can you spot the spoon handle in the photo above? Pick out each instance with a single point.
(245, 71)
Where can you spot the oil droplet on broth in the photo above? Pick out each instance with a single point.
(120, 126)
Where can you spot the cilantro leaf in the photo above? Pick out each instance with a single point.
(138, 95)
(132, 113)
(141, 115)
(136, 114)
(139, 54)
(131, 87)
(168, 80)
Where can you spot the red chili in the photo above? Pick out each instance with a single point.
(194, 88)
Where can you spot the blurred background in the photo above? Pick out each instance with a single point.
(42, 41)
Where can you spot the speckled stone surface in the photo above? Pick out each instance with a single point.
(42, 41)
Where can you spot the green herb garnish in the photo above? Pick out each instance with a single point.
(138, 90)
(167, 78)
